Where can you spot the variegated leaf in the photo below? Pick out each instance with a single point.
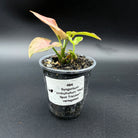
(53, 25)
(73, 33)
(40, 44)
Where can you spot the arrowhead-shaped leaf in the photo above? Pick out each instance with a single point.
(77, 40)
(73, 33)
(40, 44)
(53, 25)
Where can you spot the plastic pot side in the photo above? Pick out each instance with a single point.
(67, 89)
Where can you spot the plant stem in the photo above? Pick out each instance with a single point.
(59, 56)
(73, 48)
(64, 48)
(74, 55)
(64, 42)
(59, 39)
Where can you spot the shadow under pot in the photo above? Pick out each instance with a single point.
(67, 89)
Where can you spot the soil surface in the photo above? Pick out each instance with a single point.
(80, 63)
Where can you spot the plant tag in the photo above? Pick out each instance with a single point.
(65, 92)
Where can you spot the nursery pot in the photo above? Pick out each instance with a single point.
(67, 89)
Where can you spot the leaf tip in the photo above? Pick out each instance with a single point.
(31, 11)
(29, 54)
(97, 37)
(34, 13)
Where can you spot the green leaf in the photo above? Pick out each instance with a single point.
(40, 44)
(77, 40)
(70, 33)
(73, 33)
(70, 39)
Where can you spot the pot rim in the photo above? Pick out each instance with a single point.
(59, 71)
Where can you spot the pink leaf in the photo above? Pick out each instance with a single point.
(53, 25)
(40, 44)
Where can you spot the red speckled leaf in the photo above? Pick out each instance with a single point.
(40, 44)
(53, 25)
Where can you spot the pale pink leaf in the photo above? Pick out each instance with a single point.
(53, 25)
(40, 44)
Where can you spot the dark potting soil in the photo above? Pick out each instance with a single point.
(80, 63)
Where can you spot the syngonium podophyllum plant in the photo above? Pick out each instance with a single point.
(40, 44)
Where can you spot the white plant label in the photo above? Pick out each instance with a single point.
(65, 92)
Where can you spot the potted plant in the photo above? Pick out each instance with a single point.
(66, 74)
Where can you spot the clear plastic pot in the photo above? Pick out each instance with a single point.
(67, 89)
